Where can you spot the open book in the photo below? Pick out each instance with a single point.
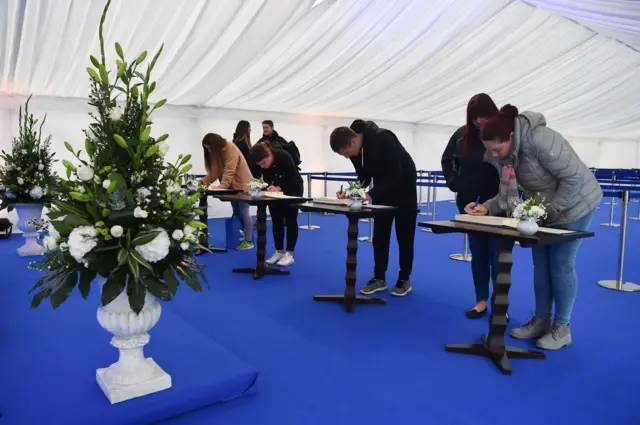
(278, 195)
(510, 223)
(331, 201)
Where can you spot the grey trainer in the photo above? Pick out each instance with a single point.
(559, 336)
(373, 286)
(534, 328)
(402, 288)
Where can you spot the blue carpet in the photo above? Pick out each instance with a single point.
(385, 364)
(48, 360)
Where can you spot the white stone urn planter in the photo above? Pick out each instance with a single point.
(26, 214)
(132, 375)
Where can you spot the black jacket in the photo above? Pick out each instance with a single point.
(384, 160)
(246, 152)
(277, 141)
(466, 173)
(283, 173)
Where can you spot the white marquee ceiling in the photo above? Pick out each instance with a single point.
(414, 61)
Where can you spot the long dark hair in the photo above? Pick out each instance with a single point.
(242, 132)
(480, 105)
(216, 142)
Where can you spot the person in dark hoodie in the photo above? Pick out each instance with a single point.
(276, 167)
(270, 135)
(380, 159)
(473, 180)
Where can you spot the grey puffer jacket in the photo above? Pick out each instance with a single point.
(546, 164)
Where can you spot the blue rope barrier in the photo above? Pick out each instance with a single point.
(620, 188)
(618, 194)
(333, 179)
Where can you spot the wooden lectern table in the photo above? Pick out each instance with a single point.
(492, 345)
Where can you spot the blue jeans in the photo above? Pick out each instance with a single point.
(241, 213)
(554, 274)
(484, 263)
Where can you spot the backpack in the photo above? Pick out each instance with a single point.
(293, 151)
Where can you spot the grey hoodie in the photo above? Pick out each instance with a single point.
(546, 164)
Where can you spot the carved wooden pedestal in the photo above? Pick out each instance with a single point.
(492, 345)
(261, 268)
(349, 298)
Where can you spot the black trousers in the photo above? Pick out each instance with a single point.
(204, 235)
(405, 233)
(284, 216)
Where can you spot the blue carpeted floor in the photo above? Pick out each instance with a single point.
(386, 364)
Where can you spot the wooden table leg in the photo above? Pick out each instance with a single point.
(492, 345)
(349, 297)
(261, 268)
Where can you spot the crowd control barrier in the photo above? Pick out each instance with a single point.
(619, 284)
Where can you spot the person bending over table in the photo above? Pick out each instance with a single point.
(472, 179)
(379, 158)
(528, 153)
(276, 167)
(224, 161)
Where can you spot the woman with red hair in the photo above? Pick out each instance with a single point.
(538, 159)
(473, 179)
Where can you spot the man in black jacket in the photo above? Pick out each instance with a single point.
(380, 159)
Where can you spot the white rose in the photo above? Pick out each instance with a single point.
(36, 192)
(23, 152)
(85, 173)
(40, 167)
(82, 240)
(140, 213)
(116, 231)
(184, 246)
(64, 246)
(50, 243)
(188, 230)
(81, 189)
(177, 235)
(157, 249)
(163, 148)
(115, 114)
(20, 181)
(106, 184)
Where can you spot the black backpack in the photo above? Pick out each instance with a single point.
(293, 151)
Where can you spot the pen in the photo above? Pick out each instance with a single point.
(341, 188)
(477, 202)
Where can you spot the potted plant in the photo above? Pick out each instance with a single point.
(123, 222)
(530, 213)
(255, 187)
(356, 194)
(27, 181)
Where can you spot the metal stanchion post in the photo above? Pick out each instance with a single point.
(618, 284)
(433, 203)
(325, 174)
(365, 220)
(638, 217)
(611, 223)
(465, 256)
(370, 237)
(419, 189)
(309, 226)
(428, 204)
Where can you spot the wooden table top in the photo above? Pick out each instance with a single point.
(246, 198)
(365, 212)
(505, 232)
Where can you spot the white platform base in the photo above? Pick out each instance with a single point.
(116, 392)
(460, 257)
(625, 287)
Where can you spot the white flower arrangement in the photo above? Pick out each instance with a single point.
(27, 175)
(532, 208)
(257, 184)
(356, 191)
(121, 201)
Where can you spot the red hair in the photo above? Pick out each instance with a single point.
(500, 126)
(480, 106)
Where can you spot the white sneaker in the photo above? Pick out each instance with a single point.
(286, 260)
(277, 256)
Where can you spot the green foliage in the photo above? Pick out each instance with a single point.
(121, 212)
(26, 175)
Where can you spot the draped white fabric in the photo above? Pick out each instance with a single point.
(413, 61)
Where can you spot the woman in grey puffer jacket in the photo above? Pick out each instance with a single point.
(529, 155)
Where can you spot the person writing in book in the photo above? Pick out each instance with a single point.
(382, 162)
(224, 162)
(529, 154)
(277, 168)
(474, 180)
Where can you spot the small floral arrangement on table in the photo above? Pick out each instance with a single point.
(122, 213)
(26, 176)
(531, 209)
(356, 190)
(257, 184)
